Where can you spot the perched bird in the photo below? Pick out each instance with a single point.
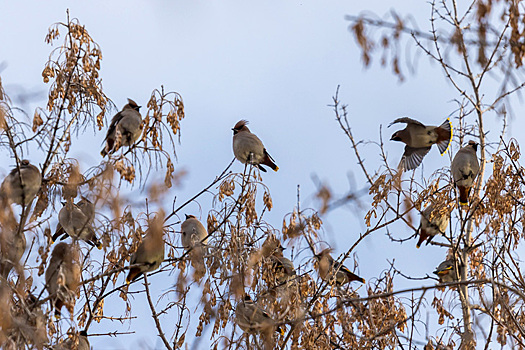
(28, 324)
(252, 319)
(22, 184)
(327, 266)
(12, 248)
(193, 232)
(432, 223)
(126, 127)
(76, 221)
(63, 275)
(150, 252)
(446, 271)
(419, 138)
(283, 267)
(83, 343)
(249, 149)
(465, 169)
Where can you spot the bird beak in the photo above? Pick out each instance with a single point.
(187, 216)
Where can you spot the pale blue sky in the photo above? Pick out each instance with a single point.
(274, 63)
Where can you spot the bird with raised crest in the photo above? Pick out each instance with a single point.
(249, 149)
(125, 128)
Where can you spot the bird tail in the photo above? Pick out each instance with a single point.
(463, 195)
(133, 274)
(423, 235)
(268, 161)
(445, 133)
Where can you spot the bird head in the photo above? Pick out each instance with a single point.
(396, 137)
(474, 145)
(133, 104)
(240, 126)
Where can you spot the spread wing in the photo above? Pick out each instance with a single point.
(412, 157)
(407, 120)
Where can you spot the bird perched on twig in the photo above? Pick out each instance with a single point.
(150, 252)
(249, 149)
(12, 248)
(125, 128)
(327, 266)
(82, 343)
(283, 267)
(63, 275)
(419, 138)
(22, 184)
(252, 319)
(446, 271)
(465, 169)
(432, 224)
(76, 221)
(193, 232)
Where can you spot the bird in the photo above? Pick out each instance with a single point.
(253, 319)
(150, 252)
(22, 184)
(283, 267)
(465, 169)
(249, 149)
(432, 224)
(327, 266)
(12, 248)
(76, 221)
(193, 232)
(63, 275)
(125, 128)
(83, 343)
(446, 271)
(419, 138)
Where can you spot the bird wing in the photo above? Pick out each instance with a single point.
(407, 120)
(413, 157)
(114, 121)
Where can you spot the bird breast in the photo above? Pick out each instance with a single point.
(246, 144)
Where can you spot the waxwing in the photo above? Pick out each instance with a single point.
(432, 223)
(76, 221)
(446, 271)
(326, 266)
(82, 343)
(22, 184)
(465, 169)
(419, 138)
(150, 252)
(193, 232)
(253, 319)
(282, 266)
(249, 149)
(63, 275)
(28, 324)
(125, 126)
(12, 248)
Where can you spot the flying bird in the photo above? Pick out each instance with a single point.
(252, 319)
(249, 149)
(76, 221)
(125, 128)
(432, 224)
(327, 267)
(63, 275)
(465, 169)
(446, 271)
(150, 252)
(22, 184)
(419, 138)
